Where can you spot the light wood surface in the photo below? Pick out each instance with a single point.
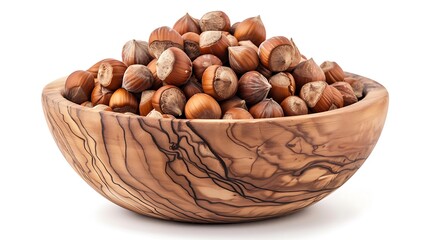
(212, 171)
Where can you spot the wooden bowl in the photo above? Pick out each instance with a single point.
(216, 171)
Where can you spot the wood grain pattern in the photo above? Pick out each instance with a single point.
(213, 171)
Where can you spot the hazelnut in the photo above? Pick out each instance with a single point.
(277, 53)
(219, 82)
(94, 68)
(333, 72)
(187, 24)
(317, 95)
(231, 39)
(215, 21)
(154, 114)
(102, 107)
(357, 86)
(234, 102)
(111, 73)
(168, 116)
(163, 38)
(201, 63)
(216, 43)
(307, 71)
(174, 67)
(282, 86)
(264, 71)
(100, 95)
(202, 106)
(123, 101)
(253, 87)
(297, 58)
(243, 59)
(145, 105)
(346, 91)
(191, 43)
(251, 29)
(169, 99)
(267, 108)
(237, 113)
(78, 86)
(157, 83)
(86, 104)
(337, 97)
(294, 106)
(248, 43)
(137, 78)
(192, 87)
(136, 52)
(233, 27)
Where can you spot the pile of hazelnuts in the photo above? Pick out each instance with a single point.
(209, 69)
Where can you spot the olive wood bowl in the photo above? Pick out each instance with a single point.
(216, 171)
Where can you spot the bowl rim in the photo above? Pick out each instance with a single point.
(373, 92)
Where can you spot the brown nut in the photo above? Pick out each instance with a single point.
(219, 82)
(137, 78)
(201, 63)
(157, 83)
(78, 86)
(264, 71)
(102, 107)
(216, 43)
(283, 86)
(267, 108)
(248, 43)
(346, 91)
(243, 59)
(357, 86)
(252, 29)
(231, 39)
(191, 43)
(145, 105)
(192, 87)
(307, 71)
(294, 106)
(337, 97)
(94, 68)
(154, 114)
(234, 102)
(333, 72)
(111, 73)
(253, 87)
(100, 95)
(233, 27)
(174, 67)
(187, 24)
(168, 116)
(123, 101)
(202, 106)
(136, 52)
(169, 99)
(237, 113)
(297, 58)
(277, 53)
(87, 104)
(215, 21)
(317, 95)
(163, 38)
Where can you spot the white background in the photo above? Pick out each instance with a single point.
(42, 197)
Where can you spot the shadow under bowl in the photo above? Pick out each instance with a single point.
(216, 171)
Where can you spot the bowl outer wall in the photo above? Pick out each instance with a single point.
(216, 170)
